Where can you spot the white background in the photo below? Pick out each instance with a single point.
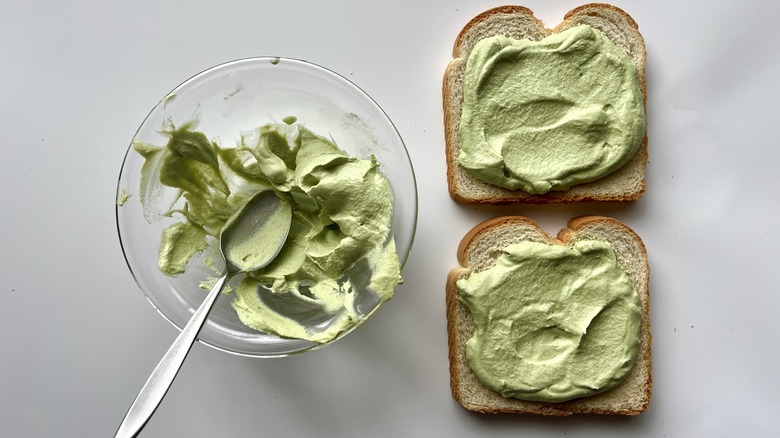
(78, 339)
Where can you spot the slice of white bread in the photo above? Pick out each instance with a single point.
(625, 184)
(479, 250)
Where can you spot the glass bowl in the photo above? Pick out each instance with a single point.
(226, 100)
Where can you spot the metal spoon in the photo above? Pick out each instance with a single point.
(264, 219)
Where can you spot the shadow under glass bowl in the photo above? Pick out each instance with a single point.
(240, 96)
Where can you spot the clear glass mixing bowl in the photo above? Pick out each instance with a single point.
(228, 99)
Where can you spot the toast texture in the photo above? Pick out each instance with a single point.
(625, 184)
(479, 250)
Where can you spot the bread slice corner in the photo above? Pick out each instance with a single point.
(625, 184)
(479, 250)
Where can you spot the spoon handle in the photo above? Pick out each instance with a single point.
(161, 378)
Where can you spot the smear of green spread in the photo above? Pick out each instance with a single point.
(342, 211)
(123, 197)
(546, 115)
(553, 323)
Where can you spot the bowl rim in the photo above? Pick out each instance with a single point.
(273, 60)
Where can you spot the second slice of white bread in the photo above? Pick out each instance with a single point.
(479, 250)
(625, 184)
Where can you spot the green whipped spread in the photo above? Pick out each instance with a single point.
(553, 323)
(342, 209)
(546, 115)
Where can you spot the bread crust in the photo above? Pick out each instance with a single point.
(479, 249)
(625, 184)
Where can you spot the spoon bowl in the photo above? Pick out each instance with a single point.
(255, 233)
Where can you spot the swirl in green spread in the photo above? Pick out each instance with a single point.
(553, 323)
(342, 212)
(547, 115)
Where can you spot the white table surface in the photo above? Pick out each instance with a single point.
(78, 339)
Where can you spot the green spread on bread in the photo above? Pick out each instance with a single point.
(546, 115)
(552, 322)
